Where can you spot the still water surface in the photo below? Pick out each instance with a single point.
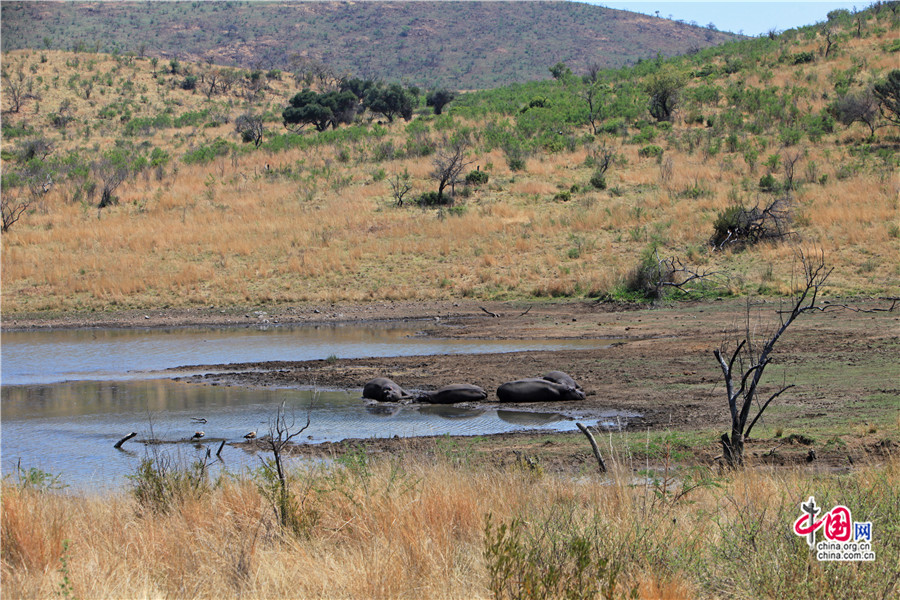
(30, 357)
(68, 396)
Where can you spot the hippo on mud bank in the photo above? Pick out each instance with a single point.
(562, 379)
(537, 390)
(383, 389)
(453, 393)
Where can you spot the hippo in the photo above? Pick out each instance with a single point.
(453, 393)
(383, 389)
(562, 378)
(537, 390)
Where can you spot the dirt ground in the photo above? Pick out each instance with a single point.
(656, 362)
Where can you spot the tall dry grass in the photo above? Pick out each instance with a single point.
(415, 527)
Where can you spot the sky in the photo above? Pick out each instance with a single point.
(750, 17)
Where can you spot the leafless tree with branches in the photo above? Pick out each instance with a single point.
(744, 366)
(449, 164)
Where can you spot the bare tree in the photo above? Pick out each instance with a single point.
(281, 432)
(449, 164)
(16, 90)
(13, 207)
(862, 106)
(744, 368)
(400, 186)
(251, 128)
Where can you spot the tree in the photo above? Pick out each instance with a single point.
(320, 110)
(16, 90)
(400, 186)
(888, 94)
(664, 89)
(560, 71)
(251, 128)
(439, 99)
(390, 101)
(862, 106)
(112, 170)
(744, 369)
(449, 164)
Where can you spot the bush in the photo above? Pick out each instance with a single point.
(650, 151)
(802, 57)
(740, 226)
(768, 183)
(434, 199)
(477, 178)
(189, 82)
(598, 180)
(556, 558)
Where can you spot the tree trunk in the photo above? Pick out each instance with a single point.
(733, 449)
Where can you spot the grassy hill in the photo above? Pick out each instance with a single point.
(202, 218)
(463, 45)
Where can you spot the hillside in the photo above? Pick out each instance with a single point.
(462, 45)
(196, 216)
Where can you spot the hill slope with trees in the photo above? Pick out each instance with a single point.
(463, 45)
(136, 182)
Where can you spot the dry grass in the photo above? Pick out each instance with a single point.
(403, 528)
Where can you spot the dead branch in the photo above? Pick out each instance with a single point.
(594, 446)
(118, 444)
(493, 314)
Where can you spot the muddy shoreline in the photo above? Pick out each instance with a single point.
(659, 362)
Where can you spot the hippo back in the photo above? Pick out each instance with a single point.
(562, 379)
(537, 390)
(456, 392)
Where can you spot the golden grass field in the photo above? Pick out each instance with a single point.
(416, 528)
(232, 232)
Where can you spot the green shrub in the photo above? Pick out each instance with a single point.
(802, 57)
(189, 82)
(554, 558)
(768, 183)
(477, 178)
(650, 151)
(434, 199)
(563, 196)
(515, 163)
(159, 483)
(598, 180)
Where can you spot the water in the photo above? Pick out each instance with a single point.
(38, 357)
(68, 396)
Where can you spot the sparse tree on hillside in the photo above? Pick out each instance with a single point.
(320, 110)
(861, 106)
(560, 71)
(391, 101)
(251, 128)
(16, 90)
(449, 164)
(888, 94)
(664, 88)
(439, 99)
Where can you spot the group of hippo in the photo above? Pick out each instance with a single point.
(555, 386)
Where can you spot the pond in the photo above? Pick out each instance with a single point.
(68, 396)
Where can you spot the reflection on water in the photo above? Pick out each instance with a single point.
(35, 357)
(70, 428)
(529, 419)
(451, 412)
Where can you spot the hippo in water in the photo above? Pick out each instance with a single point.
(562, 378)
(453, 393)
(537, 390)
(383, 389)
